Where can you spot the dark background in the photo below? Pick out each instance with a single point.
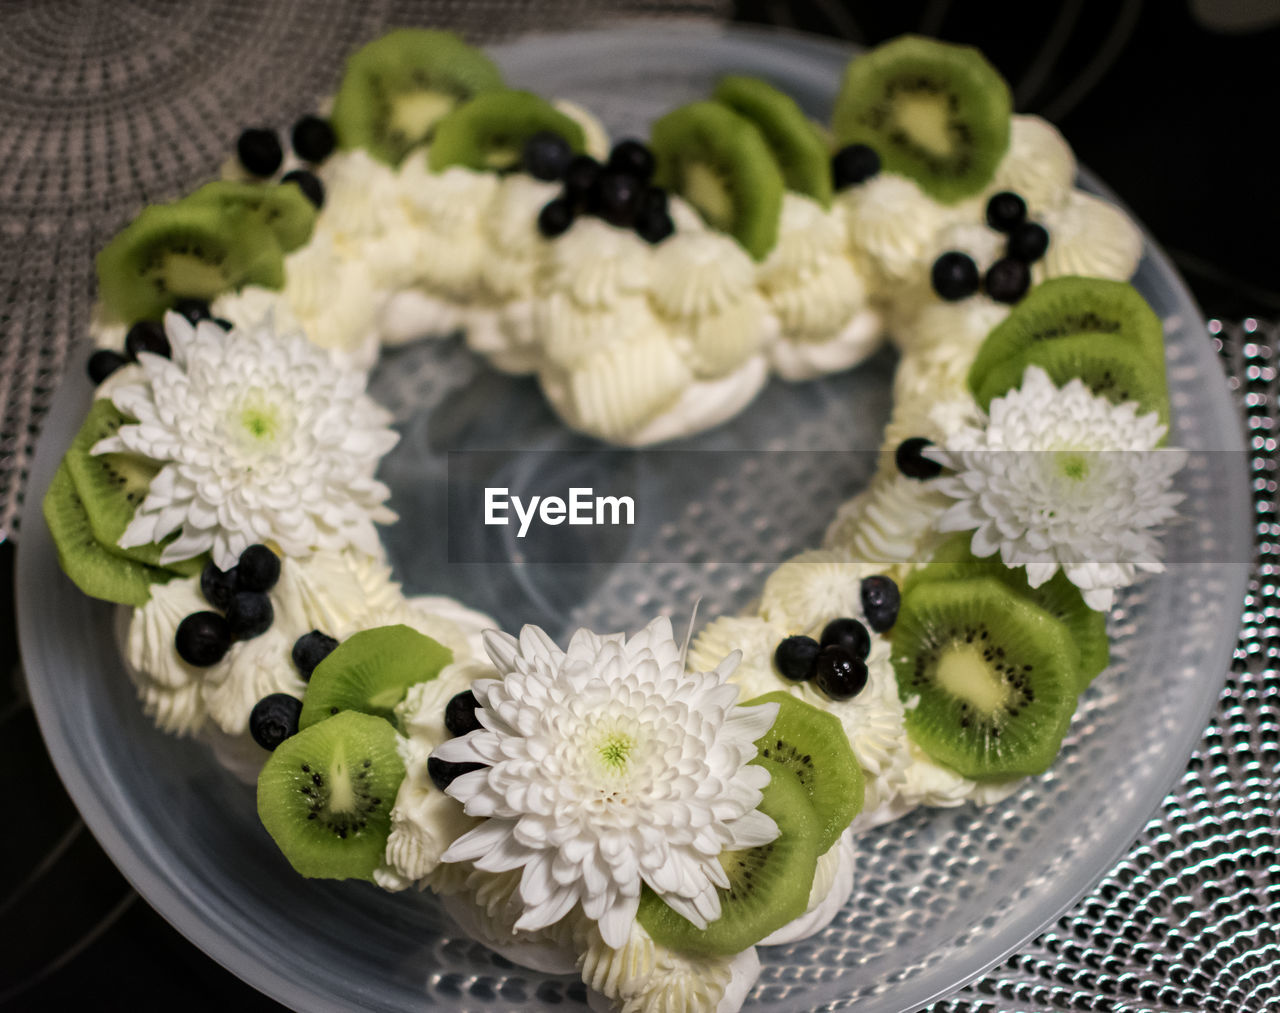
(1172, 102)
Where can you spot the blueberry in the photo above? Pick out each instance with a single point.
(259, 151)
(652, 200)
(580, 175)
(839, 674)
(309, 650)
(274, 718)
(912, 463)
(632, 158)
(249, 615)
(258, 569)
(442, 772)
(1006, 211)
(217, 586)
(654, 226)
(103, 363)
(309, 183)
(854, 164)
(313, 139)
(955, 276)
(460, 713)
(555, 217)
(546, 155)
(849, 634)
(194, 310)
(615, 197)
(880, 601)
(147, 336)
(222, 322)
(1007, 280)
(795, 658)
(1028, 242)
(203, 639)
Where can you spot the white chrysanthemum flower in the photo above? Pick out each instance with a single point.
(1082, 489)
(607, 766)
(261, 437)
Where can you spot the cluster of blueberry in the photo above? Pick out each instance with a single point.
(459, 718)
(619, 191)
(955, 275)
(244, 610)
(260, 152)
(837, 661)
(147, 336)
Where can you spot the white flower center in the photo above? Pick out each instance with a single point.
(1072, 464)
(259, 424)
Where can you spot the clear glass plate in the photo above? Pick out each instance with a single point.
(940, 895)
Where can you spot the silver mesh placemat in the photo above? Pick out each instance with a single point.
(107, 106)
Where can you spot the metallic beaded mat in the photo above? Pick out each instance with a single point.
(100, 117)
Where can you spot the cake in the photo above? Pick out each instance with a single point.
(635, 809)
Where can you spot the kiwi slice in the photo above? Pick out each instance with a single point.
(801, 151)
(810, 746)
(325, 796)
(1114, 371)
(933, 111)
(988, 678)
(94, 570)
(113, 486)
(721, 164)
(768, 885)
(1086, 629)
(1069, 307)
(282, 208)
(370, 672)
(398, 88)
(490, 131)
(171, 251)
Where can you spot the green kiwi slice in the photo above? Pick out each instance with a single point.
(113, 486)
(988, 678)
(398, 88)
(489, 132)
(194, 250)
(370, 672)
(326, 793)
(1117, 372)
(1069, 307)
(768, 885)
(800, 150)
(935, 112)
(810, 746)
(721, 164)
(282, 208)
(94, 570)
(1086, 629)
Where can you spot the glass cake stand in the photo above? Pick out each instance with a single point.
(941, 895)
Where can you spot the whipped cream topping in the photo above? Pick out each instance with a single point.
(1038, 166)
(807, 360)
(892, 522)
(1089, 237)
(697, 273)
(891, 224)
(597, 264)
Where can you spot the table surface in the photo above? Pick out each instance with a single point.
(1159, 99)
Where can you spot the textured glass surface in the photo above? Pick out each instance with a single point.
(940, 895)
